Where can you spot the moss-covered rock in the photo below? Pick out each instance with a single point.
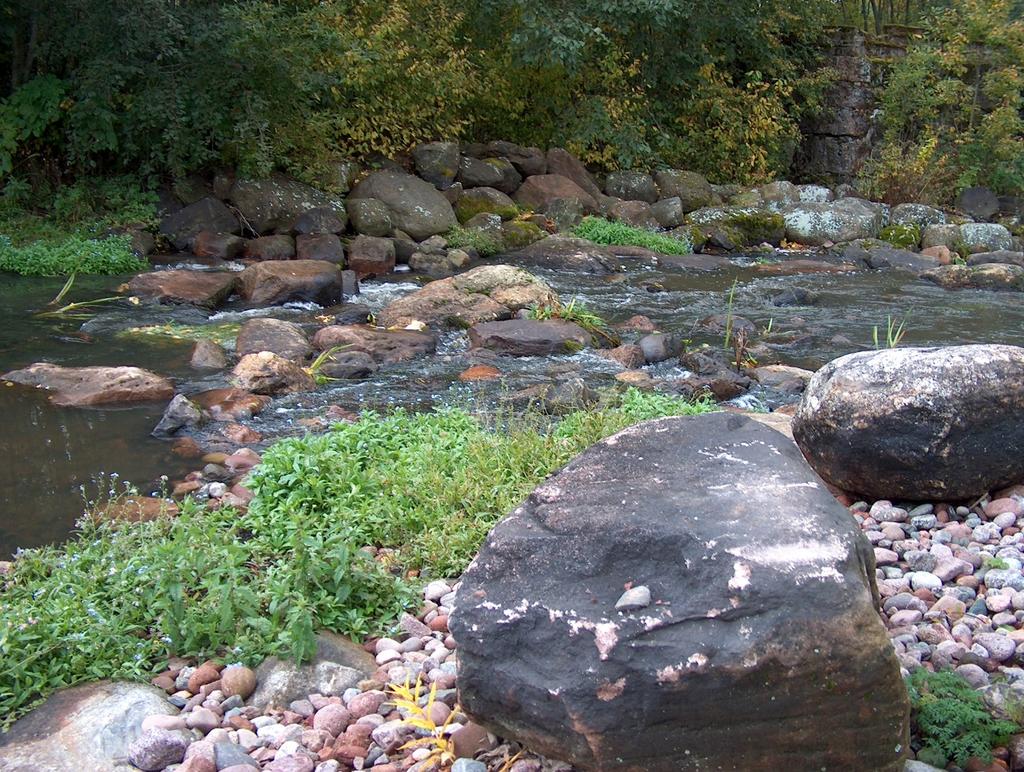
(485, 200)
(517, 234)
(756, 228)
(905, 236)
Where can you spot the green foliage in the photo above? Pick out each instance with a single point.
(951, 718)
(577, 313)
(75, 255)
(894, 332)
(484, 243)
(954, 107)
(120, 598)
(602, 231)
(903, 236)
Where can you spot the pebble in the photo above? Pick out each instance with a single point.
(634, 599)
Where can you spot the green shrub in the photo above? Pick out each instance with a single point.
(602, 231)
(484, 243)
(119, 599)
(74, 255)
(903, 236)
(952, 720)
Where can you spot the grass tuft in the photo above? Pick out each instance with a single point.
(602, 231)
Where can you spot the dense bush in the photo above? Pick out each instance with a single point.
(163, 87)
(953, 108)
(119, 599)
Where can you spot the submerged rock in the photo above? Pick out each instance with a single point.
(567, 253)
(89, 727)
(761, 649)
(94, 386)
(919, 424)
(989, 276)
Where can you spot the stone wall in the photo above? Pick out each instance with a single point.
(839, 140)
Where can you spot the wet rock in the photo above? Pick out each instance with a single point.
(208, 214)
(349, 365)
(546, 660)
(844, 220)
(497, 173)
(783, 377)
(337, 665)
(632, 186)
(371, 256)
(437, 162)
(370, 217)
(980, 203)
(286, 339)
(691, 188)
(562, 162)
(529, 337)
(540, 192)
(276, 203)
(794, 296)
(629, 355)
(920, 424)
(320, 246)
(879, 254)
(800, 266)
(415, 206)
(230, 404)
(219, 246)
(567, 253)
(558, 398)
(321, 220)
(180, 413)
(483, 294)
(138, 509)
(693, 262)
(94, 386)
(988, 276)
(278, 247)
(385, 347)
(278, 282)
(207, 355)
(267, 373)
(658, 346)
(88, 727)
(207, 289)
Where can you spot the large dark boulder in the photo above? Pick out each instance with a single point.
(691, 188)
(980, 203)
(208, 214)
(498, 173)
(567, 165)
(437, 162)
(278, 202)
(917, 423)
(416, 206)
(283, 281)
(207, 289)
(749, 638)
(632, 186)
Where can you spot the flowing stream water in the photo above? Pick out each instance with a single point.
(50, 456)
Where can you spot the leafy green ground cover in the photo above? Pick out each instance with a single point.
(423, 488)
(602, 231)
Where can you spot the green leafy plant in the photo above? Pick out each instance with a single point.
(903, 236)
(951, 719)
(574, 311)
(315, 367)
(894, 332)
(75, 255)
(602, 231)
(484, 243)
(422, 490)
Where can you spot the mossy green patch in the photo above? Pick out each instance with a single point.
(902, 236)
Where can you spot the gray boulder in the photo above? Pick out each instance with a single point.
(484, 200)
(985, 237)
(916, 214)
(918, 424)
(843, 220)
(437, 163)
(370, 217)
(631, 186)
(337, 665)
(762, 648)
(276, 203)
(207, 214)
(940, 236)
(980, 203)
(527, 160)
(498, 173)
(669, 212)
(88, 727)
(415, 206)
(987, 276)
(1002, 256)
(318, 221)
(692, 189)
